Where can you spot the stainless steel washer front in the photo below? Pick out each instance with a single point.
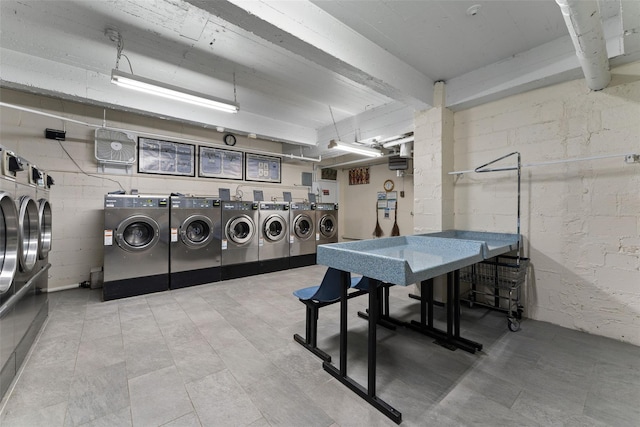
(327, 223)
(302, 249)
(136, 245)
(240, 239)
(274, 230)
(194, 253)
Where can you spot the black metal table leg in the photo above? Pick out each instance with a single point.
(450, 304)
(450, 338)
(374, 313)
(456, 303)
(368, 393)
(345, 280)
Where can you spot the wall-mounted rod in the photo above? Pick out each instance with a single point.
(155, 135)
(552, 162)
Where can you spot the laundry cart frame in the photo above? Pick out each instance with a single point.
(503, 273)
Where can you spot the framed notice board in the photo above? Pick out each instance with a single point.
(220, 163)
(165, 157)
(262, 168)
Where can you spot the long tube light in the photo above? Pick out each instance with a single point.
(153, 87)
(398, 142)
(344, 146)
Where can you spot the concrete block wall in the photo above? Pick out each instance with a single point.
(580, 221)
(77, 199)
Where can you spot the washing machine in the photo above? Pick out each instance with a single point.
(8, 265)
(302, 243)
(196, 244)
(273, 242)
(239, 240)
(326, 223)
(43, 183)
(28, 304)
(136, 245)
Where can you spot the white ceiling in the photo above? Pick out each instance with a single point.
(295, 63)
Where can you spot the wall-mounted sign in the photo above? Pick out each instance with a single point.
(165, 157)
(220, 163)
(262, 168)
(329, 174)
(358, 176)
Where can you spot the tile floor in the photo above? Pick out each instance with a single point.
(223, 355)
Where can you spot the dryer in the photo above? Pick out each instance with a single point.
(43, 185)
(8, 266)
(195, 248)
(239, 240)
(136, 245)
(273, 242)
(302, 249)
(326, 223)
(26, 306)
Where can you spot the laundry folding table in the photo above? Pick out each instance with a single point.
(404, 261)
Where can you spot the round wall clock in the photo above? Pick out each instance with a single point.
(388, 185)
(229, 139)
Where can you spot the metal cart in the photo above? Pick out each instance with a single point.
(498, 279)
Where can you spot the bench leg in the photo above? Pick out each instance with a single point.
(311, 328)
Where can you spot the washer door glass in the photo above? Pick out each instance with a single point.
(328, 226)
(274, 228)
(137, 233)
(303, 227)
(8, 241)
(240, 230)
(44, 216)
(196, 231)
(29, 226)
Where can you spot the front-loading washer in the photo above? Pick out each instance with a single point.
(45, 216)
(273, 242)
(31, 305)
(239, 239)
(326, 223)
(9, 236)
(136, 245)
(196, 244)
(302, 249)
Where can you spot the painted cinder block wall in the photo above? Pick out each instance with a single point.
(77, 199)
(580, 221)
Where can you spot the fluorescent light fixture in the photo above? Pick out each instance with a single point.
(397, 142)
(351, 148)
(171, 92)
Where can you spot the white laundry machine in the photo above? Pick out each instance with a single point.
(302, 249)
(136, 245)
(195, 248)
(326, 223)
(273, 242)
(239, 240)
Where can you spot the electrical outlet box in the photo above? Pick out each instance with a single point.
(55, 134)
(632, 158)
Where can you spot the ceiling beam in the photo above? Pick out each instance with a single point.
(306, 30)
(41, 76)
(585, 28)
(551, 63)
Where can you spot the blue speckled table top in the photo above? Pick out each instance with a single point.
(495, 243)
(406, 260)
